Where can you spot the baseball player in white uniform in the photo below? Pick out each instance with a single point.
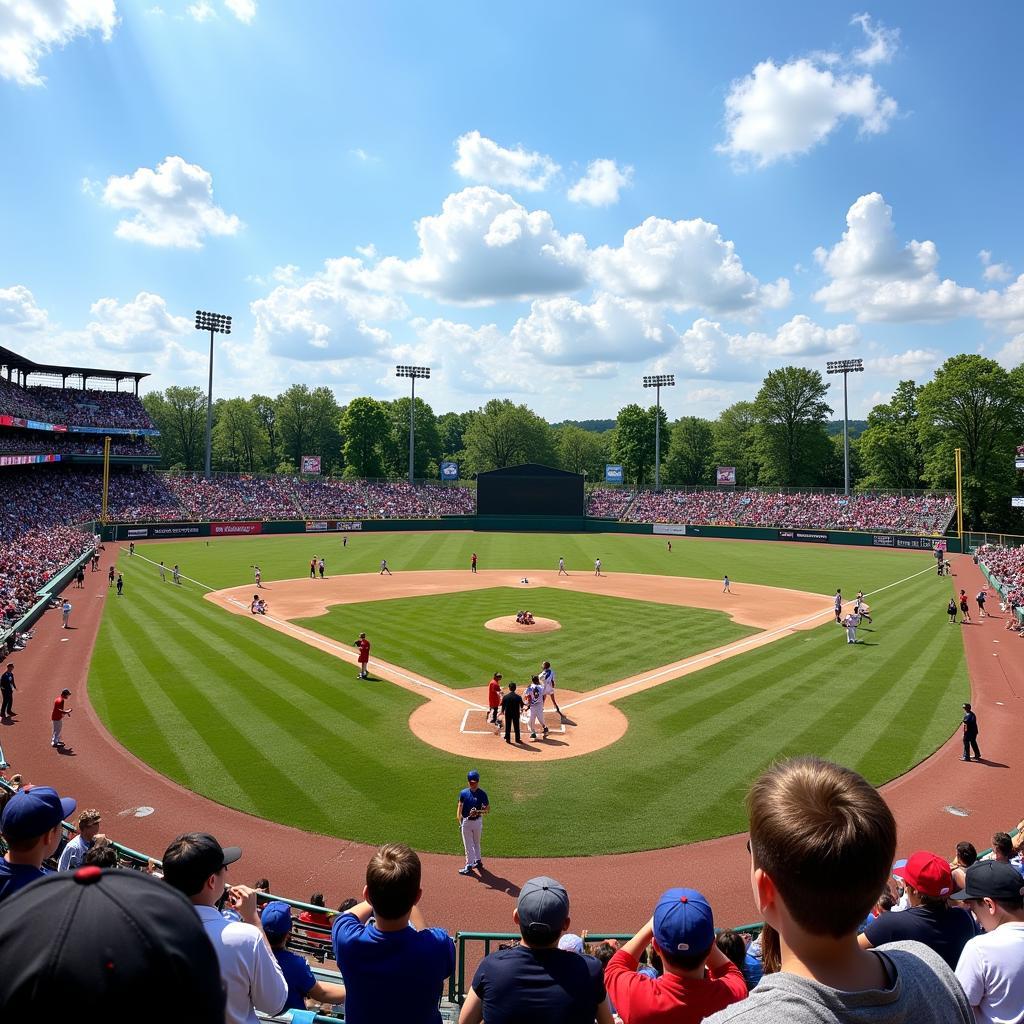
(547, 682)
(597, 566)
(561, 567)
(851, 622)
(535, 705)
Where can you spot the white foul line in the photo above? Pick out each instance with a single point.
(303, 633)
(760, 637)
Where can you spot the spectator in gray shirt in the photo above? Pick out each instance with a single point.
(822, 842)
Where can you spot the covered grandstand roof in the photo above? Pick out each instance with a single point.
(13, 362)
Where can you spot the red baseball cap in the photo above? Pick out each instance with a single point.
(927, 873)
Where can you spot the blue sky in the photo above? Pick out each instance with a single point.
(541, 201)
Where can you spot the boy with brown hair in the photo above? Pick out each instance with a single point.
(394, 966)
(822, 842)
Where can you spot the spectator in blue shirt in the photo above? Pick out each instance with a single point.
(31, 826)
(302, 984)
(394, 966)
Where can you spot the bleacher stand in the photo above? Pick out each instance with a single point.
(608, 502)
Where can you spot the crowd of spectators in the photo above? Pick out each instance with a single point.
(234, 498)
(16, 401)
(75, 407)
(324, 498)
(32, 442)
(1006, 565)
(881, 513)
(850, 933)
(608, 502)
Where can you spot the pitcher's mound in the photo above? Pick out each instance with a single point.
(508, 624)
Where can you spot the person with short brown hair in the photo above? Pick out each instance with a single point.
(394, 966)
(821, 843)
(73, 855)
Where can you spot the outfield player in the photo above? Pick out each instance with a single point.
(131, 549)
(176, 574)
(312, 568)
(861, 608)
(561, 567)
(163, 573)
(257, 575)
(320, 568)
(726, 585)
(535, 706)
(837, 604)
(472, 563)
(363, 646)
(851, 622)
(597, 566)
(469, 813)
(384, 567)
(547, 682)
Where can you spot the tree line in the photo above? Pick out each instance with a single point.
(780, 438)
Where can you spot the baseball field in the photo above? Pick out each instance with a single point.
(675, 695)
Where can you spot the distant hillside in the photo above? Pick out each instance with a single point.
(857, 427)
(595, 426)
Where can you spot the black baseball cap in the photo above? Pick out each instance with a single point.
(107, 943)
(992, 878)
(192, 857)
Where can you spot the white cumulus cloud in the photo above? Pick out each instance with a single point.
(173, 205)
(684, 263)
(144, 324)
(881, 44)
(200, 11)
(914, 360)
(30, 29)
(601, 185)
(480, 159)
(483, 247)
(19, 310)
(993, 271)
(243, 10)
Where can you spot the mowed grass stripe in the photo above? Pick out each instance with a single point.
(677, 775)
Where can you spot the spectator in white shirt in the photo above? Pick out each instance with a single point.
(74, 853)
(196, 865)
(991, 966)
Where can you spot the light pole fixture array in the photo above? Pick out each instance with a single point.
(845, 367)
(414, 373)
(215, 323)
(658, 381)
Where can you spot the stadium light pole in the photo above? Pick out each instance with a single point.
(658, 381)
(846, 367)
(413, 373)
(215, 323)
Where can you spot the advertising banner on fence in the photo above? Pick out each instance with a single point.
(673, 529)
(26, 460)
(612, 474)
(449, 471)
(135, 532)
(310, 464)
(1017, 501)
(235, 529)
(334, 526)
(813, 536)
(726, 476)
(177, 530)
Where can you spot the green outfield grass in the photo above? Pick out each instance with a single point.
(262, 722)
(602, 639)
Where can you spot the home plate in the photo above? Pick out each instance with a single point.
(474, 723)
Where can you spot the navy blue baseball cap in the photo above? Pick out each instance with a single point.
(473, 776)
(33, 811)
(277, 918)
(683, 922)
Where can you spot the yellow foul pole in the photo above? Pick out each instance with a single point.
(106, 477)
(959, 498)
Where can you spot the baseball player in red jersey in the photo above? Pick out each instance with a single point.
(363, 646)
(494, 698)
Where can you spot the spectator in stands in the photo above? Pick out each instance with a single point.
(261, 885)
(966, 855)
(1002, 850)
(536, 981)
(991, 967)
(698, 978)
(196, 865)
(302, 983)
(109, 946)
(736, 947)
(102, 854)
(73, 855)
(317, 917)
(929, 918)
(395, 967)
(31, 827)
(822, 841)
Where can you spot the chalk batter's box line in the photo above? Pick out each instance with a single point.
(490, 732)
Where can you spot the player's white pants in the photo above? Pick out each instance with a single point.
(57, 726)
(536, 721)
(471, 830)
(851, 634)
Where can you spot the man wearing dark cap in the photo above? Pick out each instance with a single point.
(113, 946)
(537, 981)
(302, 983)
(991, 967)
(470, 810)
(929, 918)
(196, 865)
(970, 721)
(699, 978)
(31, 826)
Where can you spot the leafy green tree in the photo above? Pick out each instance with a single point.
(239, 442)
(890, 447)
(691, 454)
(792, 444)
(735, 444)
(364, 427)
(633, 445)
(307, 422)
(975, 405)
(427, 444)
(582, 451)
(451, 428)
(266, 412)
(180, 416)
(504, 434)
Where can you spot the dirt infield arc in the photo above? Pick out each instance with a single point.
(608, 892)
(453, 720)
